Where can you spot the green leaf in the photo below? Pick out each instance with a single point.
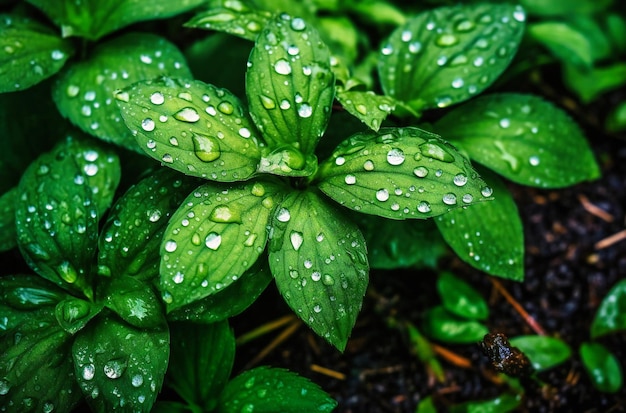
(232, 17)
(566, 8)
(84, 91)
(460, 298)
(131, 237)
(447, 55)
(589, 84)
(401, 244)
(368, 107)
(602, 366)
(229, 301)
(8, 230)
(93, 19)
(30, 52)
(426, 405)
(611, 315)
(400, 173)
(616, 119)
(319, 260)
(135, 302)
(268, 390)
(502, 404)
(61, 197)
(522, 137)
(213, 238)
(442, 325)
(73, 313)
(544, 352)
(289, 84)
(488, 236)
(192, 127)
(201, 360)
(119, 367)
(564, 41)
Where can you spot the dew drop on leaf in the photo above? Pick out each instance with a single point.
(382, 195)
(213, 241)
(296, 239)
(148, 125)
(395, 156)
(284, 215)
(420, 171)
(187, 115)
(449, 199)
(423, 207)
(206, 148)
(486, 191)
(170, 246)
(114, 369)
(282, 67)
(157, 98)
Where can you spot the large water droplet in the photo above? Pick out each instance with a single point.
(296, 239)
(282, 67)
(486, 191)
(137, 380)
(437, 151)
(395, 156)
(267, 102)
(89, 371)
(283, 215)
(350, 179)
(305, 110)
(148, 125)
(213, 241)
(206, 148)
(382, 195)
(188, 114)
(170, 246)
(420, 172)
(225, 214)
(449, 199)
(459, 179)
(446, 40)
(423, 207)
(114, 369)
(67, 272)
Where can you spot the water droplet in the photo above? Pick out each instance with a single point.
(48, 407)
(459, 179)
(447, 40)
(67, 272)
(170, 246)
(90, 96)
(442, 60)
(449, 199)
(5, 386)
(420, 172)
(519, 14)
(395, 156)
(328, 279)
(187, 115)
(504, 123)
(296, 239)
(298, 24)
(225, 214)
(467, 198)
(533, 160)
(317, 308)
(458, 83)
(206, 148)
(244, 132)
(114, 369)
(437, 151)
(382, 195)
(464, 26)
(350, 179)
(178, 277)
(157, 98)
(415, 47)
(443, 101)
(148, 125)
(167, 158)
(423, 207)
(387, 50)
(486, 191)
(305, 110)
(308, 264)
(226, 108)
(368, 165)
(283, 215)
(90, 169)
(137, 380)
(282, 67)
(284, 104)
(213, 241)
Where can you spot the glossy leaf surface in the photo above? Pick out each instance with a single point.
(289, 84)
(319, 261)
(73, 313)
(460, 298)
(449, 54)
(84, 91)
(232, 17)
(213, 238)
(611, 315)
(8, 230)
(544, 352)
(602, 366)
(442, 325)
(368, 107)
(522, 137)
(488, 236)
(192, 127)
(135, 302)
(400, 173)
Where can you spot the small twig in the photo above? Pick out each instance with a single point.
(284, 335)
(264, 329)
(451, 356)
(595, 210)
(608, 241)
(517, 306)
(328, 372)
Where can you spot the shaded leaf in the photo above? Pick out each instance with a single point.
(84, 91)
(8, 230)
(565, 8)
(522, 137)
(449, 54)
(564, 41)
(602, 366)
(202, 357)
(114, 374)
(319, 261)
(213, 238)
(589, 84)
(460, 298)
(502, 404)
(29, 52)
(611, 315)
(135, 302)
(442, 325)
(289, 84)
(73, 313)
(192, 127)
(400, 173)
(544, 352)
(60, 199)
(268, 390)
(130, 239)
(368, 107)
(232, 17)
(93, 19)
(488, 236)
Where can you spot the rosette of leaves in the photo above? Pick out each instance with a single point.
(86, 74)
(265, 188)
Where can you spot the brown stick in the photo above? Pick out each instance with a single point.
(613, 239)
(517, 306)
(284, 335)
(451, 356)
(328, 372)
(594, 210)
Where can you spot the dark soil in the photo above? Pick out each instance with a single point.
(568, 272)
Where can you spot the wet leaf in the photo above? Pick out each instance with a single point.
(566, 8)
(232, 17)
(289, 84)
(8, 230)
(119, 367)
(602, 366)
(36, 372)
(401, 244)
(201, 359)
(544, 352)
(213, 238)
(84, 92)
(228, 302)
(442, 325)
(449, 54)
(93, 19)
(268, 390)
(589, 84)
(611, 315)
(135, 302)
(368, 107)
(61, 197)
(192, 127)
(460, 298)
(488, 236)
(73, 313)
(130, 239)
(400, 173)
(564, 41)
(502, 404)
(319, 261)
(522, 137)
(29, 52)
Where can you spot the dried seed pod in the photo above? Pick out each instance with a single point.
(505, 358)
